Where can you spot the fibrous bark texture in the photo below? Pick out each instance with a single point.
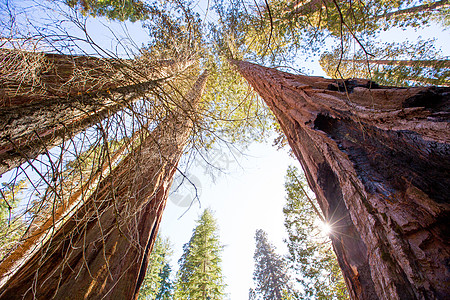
(378, 160)
(70, 95)
(30, 77)
(101, 251)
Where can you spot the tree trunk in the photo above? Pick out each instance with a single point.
(378, 159)
(101, 252)
(42, 122)
(442, 63)
(416, 9)
(30, 77)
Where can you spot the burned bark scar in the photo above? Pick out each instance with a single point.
(435, 99)
(388, 161)
(349, 84)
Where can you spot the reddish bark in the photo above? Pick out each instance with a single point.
(45, 119)
(378, 159)
(30, 77)
(309, 7)
(101, 252)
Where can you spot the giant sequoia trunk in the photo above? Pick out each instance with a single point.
(68, 98)
(30, 77)
(378, 160)
(101, 252)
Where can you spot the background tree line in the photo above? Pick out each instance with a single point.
(309, 270)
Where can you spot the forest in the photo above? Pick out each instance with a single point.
(108, 108)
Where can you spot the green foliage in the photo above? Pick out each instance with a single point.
(122, 10)
(397, 64)
(311, 256)
(269, 276)
(200, 273)
(278, 31)
(12, 227)
(166, 285)
(232, 110)
(157, 283)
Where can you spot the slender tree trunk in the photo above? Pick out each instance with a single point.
(416, 9)
(440, 63)
(378, 159)
(39, 124)
(425, 80)
(101, 252)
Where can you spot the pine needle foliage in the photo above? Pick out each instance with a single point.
(270, 271)
(200, 275)
(311, 257)
(157, 283)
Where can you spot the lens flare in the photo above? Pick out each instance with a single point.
(326, 228)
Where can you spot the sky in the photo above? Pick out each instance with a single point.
(249, 194)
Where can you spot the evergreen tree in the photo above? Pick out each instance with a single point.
(311, 256)
(123, 10)
(157, 283)
(200, 274)
(12, 227)
(166, 284)
(270, 275)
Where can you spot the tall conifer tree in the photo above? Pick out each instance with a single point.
(200, 274)
(157, 283)
(270, 271)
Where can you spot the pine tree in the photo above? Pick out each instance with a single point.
(11, 227)
(166, 285)
(397, 64)
(311, 256)
(200, 274)
(270, 275)
(156, 283)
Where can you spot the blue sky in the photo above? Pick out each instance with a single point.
(250, 195)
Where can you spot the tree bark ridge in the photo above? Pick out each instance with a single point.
(38, 124)
(378, 159)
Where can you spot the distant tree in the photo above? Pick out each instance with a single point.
(166, 285)
(270, 275)
(157, 284)
(399, 64)
(311, 257)
(11, 227)
(200, 274)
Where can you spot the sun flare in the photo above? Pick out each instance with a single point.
(326, 228)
